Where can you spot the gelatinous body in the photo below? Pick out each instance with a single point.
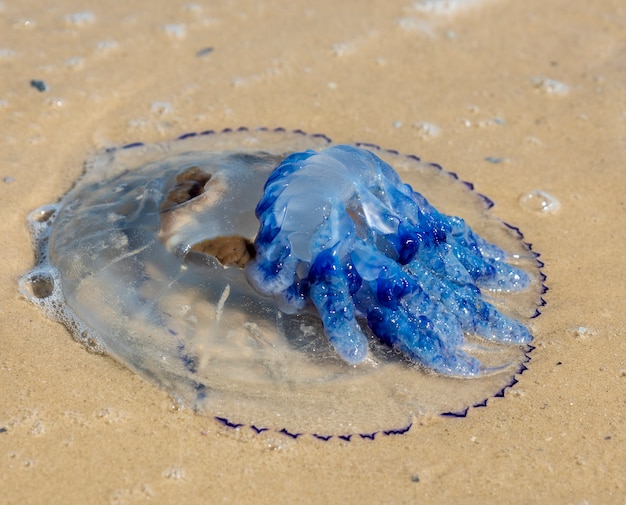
(293, 322)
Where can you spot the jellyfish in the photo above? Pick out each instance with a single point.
(280, 282)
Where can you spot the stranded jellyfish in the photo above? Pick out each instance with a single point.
(280, 282)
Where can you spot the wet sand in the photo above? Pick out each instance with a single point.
(514, 96)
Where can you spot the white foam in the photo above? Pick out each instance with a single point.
(445, 7)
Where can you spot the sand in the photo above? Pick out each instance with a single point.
(514, 96)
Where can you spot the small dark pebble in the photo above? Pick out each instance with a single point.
(415, 478)
(608, 437)
(204, 51)
(39, 85)
(3, 430)
(559, 362)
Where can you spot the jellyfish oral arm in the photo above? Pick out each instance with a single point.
(340, 232)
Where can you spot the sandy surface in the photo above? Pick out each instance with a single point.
(539, 86)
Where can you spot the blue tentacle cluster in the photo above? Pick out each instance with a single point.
(339, 230)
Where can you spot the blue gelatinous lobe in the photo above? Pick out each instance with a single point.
(340, 232)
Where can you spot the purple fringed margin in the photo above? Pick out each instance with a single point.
(488, 204)
(318, 436)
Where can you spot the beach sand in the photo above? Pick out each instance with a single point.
(514, 96)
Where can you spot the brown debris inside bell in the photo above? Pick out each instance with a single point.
(228, 250)
(189, 184)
